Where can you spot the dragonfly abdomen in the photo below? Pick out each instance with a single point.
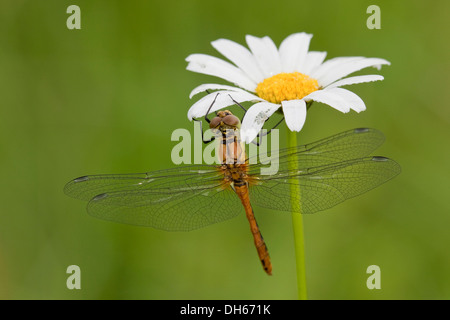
(241, 189)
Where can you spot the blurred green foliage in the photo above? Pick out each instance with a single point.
(106, 98)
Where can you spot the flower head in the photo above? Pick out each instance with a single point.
(288, 77)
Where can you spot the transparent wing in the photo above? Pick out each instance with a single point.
(346, 145)
(351, 144)
(178, 199)
(322, 187)
(87, 187)
(181, 209)
(191, 197)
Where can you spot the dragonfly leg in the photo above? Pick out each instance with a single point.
(207, 120)
(258, 140)
(261, 134)
(240, 105)
(207, 112)
(201, 130)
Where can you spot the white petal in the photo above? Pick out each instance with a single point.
(328, 65)
(328, 97)
(351, 99)
(293, 51)
(341, 70)
(222, 100)
(240, 56)
(254, 119)
(294, 114)
(266, 55)
(312, 61)
(354, 80)
(213, 86)
(213, 66)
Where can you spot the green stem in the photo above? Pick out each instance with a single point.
(297, 220)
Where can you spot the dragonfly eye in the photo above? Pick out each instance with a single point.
(231, 120)
(215, 122)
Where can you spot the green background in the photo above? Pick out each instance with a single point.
(106, 98)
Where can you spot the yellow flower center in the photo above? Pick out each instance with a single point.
(286, 86)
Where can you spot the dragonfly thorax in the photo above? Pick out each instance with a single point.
(231, 149)
(235, 172)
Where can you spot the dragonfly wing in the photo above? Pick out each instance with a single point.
(351, 144)
(87, 187)
(175, 210)
(178, 199)
(324, 186)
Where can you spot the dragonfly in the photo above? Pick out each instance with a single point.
(326, 172)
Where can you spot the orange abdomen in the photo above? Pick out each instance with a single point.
(263, 253)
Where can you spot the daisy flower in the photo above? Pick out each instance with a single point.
(288, 77)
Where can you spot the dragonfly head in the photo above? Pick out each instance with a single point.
(225, 120)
